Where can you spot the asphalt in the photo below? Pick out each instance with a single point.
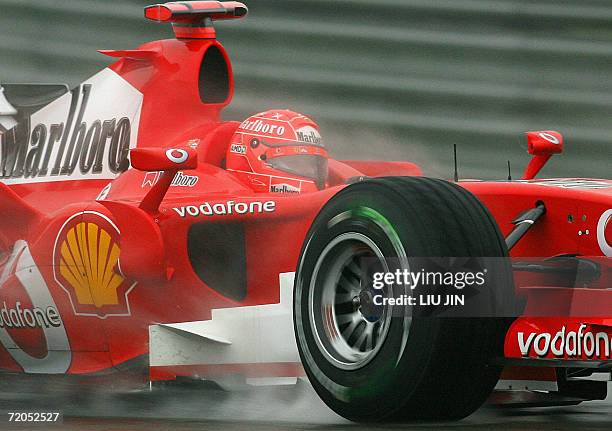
(102, 406)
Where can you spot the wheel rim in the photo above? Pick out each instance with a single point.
(348, 334)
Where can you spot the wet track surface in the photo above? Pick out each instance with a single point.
(94, 407)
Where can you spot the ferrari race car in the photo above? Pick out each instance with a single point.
(138, 228)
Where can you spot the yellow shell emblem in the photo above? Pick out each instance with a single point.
(88, 259)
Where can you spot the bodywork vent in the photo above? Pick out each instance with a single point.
(218, 256)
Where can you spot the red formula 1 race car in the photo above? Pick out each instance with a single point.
(136, 227)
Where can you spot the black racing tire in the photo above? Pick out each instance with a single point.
(424, 368)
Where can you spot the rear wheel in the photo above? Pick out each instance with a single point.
(387, 365)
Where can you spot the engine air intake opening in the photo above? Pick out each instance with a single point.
(214, 83)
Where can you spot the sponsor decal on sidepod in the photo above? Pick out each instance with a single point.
(226, 208)
(23, 317)
(42, 315)
(86, 259)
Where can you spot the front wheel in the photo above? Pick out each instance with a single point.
(385, 365)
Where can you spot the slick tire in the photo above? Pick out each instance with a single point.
(405, 367)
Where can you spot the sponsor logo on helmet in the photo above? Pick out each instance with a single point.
(259, 126)
(309, 135)
(238, 149)
(86, 266)
(564, 343)
(86, 133)
(284, 188)
(226, 208)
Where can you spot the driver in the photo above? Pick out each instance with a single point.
(279, 151)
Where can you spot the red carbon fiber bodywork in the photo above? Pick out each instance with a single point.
(573, 225)
(157, 282)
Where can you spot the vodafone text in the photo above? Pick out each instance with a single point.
(226, 208)
(564, 343)
(19, 317)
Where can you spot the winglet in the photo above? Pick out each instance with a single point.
(189, 328)
(133, 54)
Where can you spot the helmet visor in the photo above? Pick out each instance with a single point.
(305, 165)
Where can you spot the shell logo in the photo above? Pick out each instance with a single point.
(86, 266)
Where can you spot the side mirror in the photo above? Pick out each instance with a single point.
(169, 161)
(541, 145)
(160, 159)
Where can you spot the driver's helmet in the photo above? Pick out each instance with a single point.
(279, 151)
